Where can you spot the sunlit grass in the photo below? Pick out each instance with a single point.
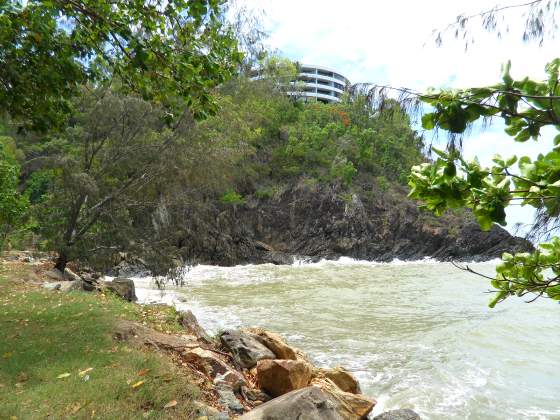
(58, 359)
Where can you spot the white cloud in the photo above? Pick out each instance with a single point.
(390, 42)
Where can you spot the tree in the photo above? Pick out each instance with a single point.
(108, 170)
(158, 49)
(13, 205)
(526, 106)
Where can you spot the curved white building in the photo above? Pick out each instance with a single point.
(320, 83)
(314, 82)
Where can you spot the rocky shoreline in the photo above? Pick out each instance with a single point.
(254, 374)
(246, 374)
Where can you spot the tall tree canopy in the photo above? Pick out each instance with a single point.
(157, 48)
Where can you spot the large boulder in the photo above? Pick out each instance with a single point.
(401, 414)
(191, 325)
(310, 403)
(125, 330)
(210, 364)
(356, 406)
(274, 342)
(55, 274)
(278, 377)
(122, 287)
(245, 348)
(341, 377)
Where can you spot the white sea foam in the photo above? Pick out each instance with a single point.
(417, 334)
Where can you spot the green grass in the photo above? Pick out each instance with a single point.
(45, 334)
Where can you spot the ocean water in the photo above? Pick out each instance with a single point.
(416, 334)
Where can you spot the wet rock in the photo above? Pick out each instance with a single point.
(274, 342)
(191, 325)
(278, 377)
(278, 258)
(246, 349)
(228, 399)
(401, 414)
(122, 287)
(341, 377)
(210, 364)
(306, 403)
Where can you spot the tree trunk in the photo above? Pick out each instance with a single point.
(61, 261)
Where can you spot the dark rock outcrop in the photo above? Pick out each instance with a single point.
(325, 221)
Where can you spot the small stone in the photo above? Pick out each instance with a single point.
(228, 399)
(251, 394)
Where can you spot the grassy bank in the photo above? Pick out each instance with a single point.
(58, 358)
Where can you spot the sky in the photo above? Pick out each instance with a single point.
(392, 43)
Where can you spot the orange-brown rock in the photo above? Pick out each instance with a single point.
(278, 377)
(341, 377)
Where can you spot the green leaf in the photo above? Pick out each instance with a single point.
(429, 121)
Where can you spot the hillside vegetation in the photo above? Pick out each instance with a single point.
(119, 178)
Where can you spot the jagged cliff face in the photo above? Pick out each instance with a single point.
(325, 221)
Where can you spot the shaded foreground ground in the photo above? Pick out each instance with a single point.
(91, 355)
(58, 357)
